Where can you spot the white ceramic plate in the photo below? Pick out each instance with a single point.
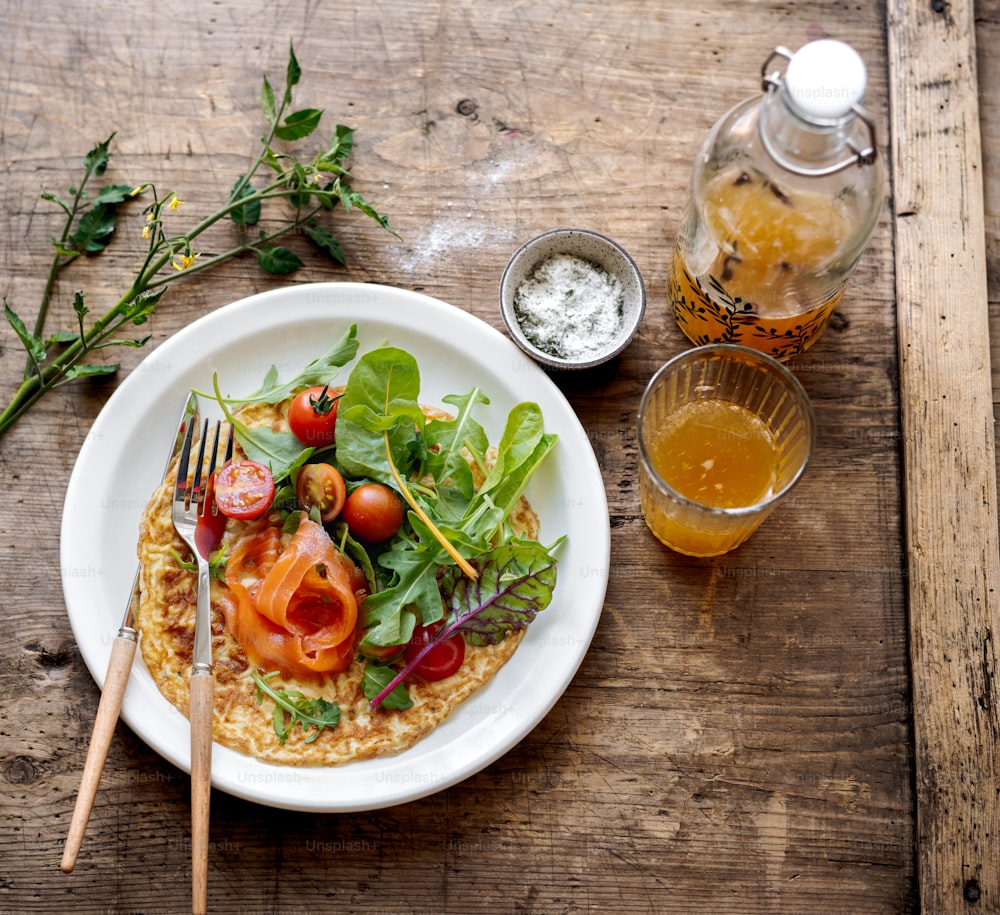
(122, 459)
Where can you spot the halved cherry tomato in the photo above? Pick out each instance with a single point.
(442, 660)
(244, 490)
(312, 417)
(211, 524)
(322, 486)
(373, 512)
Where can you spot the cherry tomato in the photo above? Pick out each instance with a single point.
(211, 524)
(244, 490)
(442, 660)
(322, 486)
(312, 417)
(373, 512)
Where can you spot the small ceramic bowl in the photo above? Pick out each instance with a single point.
(572, 299)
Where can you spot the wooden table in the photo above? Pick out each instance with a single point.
(809, 723)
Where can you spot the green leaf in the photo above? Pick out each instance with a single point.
(376, 679)
(143, 305)
(416, 586)
(321, 370)
(32, 344)
(89, 371)
(57, 200)
(384, 384)
(446, 461)
(267, 102)
(327, 243)
(80, 306)
(343, 142)
(249, 213)
(96, 161)
(280, 451)
(294, 71)
(278, 260)
(94, 230)
(350, 199)
(294, 708)
(515, 583)
(61, 338)
(299, 124)
(113, 193)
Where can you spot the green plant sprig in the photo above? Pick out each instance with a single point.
(291, 707)
(312, 189)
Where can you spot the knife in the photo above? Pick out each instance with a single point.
(120, 665)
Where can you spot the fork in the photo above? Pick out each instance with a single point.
(189, 505)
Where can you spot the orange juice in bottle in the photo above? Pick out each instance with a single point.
(785, 195)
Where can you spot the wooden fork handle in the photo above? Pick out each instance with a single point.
(202, 693)
(108, 710)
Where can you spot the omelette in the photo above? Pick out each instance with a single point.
(244, 719)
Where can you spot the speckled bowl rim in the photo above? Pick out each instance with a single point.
(544, 244)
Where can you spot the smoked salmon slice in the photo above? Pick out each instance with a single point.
(296, 608)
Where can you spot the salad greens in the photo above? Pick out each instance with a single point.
(291, 707)
(514, 584)
(382, 434)
(456, 562)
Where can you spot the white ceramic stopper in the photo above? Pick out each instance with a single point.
(825, 78)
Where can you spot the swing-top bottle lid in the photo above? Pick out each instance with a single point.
(825, 79)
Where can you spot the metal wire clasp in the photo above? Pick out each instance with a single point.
(772, 83)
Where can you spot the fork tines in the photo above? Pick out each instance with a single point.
(192, 497)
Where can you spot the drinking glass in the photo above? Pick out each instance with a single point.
(720, 379)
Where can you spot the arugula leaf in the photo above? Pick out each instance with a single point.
(514, 584)
(320, 371)
(292, 708)
(282, 452)
(446, 462)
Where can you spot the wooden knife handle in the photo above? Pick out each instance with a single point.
(202, 693)
(108, 710)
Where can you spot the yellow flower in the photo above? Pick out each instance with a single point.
(185, 261)
(175, 202)
(137, 190)
(145, 231)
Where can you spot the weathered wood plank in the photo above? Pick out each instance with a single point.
(737, 739)
(948, 447)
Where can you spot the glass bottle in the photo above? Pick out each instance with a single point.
(786, 191)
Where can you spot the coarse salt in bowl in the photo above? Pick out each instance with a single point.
(572, 298)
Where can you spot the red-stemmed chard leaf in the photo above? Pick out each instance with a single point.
(515, 582)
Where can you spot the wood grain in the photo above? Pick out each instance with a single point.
(949, 452)
(739, 737)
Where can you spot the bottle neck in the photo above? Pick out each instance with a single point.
(797, 137)
(808, 146)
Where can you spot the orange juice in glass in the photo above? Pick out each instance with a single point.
(725, 432)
